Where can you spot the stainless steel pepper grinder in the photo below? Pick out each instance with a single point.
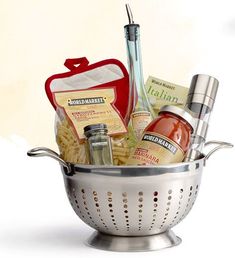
(200, 102)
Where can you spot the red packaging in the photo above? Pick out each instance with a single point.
(70, 93)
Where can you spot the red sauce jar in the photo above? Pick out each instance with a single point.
(165, 140)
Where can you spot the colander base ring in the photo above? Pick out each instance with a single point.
(106, 242)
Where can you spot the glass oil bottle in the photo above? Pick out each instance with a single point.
(143, 113)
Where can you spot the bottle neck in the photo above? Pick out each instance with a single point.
(136, 80)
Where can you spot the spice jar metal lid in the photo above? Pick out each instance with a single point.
(94, 128)
(179, 112)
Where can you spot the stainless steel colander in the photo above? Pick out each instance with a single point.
(133, 208)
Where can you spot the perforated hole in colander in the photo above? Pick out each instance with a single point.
(110, 208)
(155, 205)
(74, 204)
(190, 202)
(140, 208)
(168, 204)
(98, 211)
(125, 210)
(88, 217)
(176, 216)
(196, 190)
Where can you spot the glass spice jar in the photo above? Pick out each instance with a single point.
(165, 140)
(98, 144)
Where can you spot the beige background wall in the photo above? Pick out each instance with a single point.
(179, 38)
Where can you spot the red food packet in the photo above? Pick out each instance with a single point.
(106, 74)
(88, 94)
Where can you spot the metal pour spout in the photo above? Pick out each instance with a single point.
(129, 14)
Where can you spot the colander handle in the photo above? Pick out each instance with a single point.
(45, 152)
(220, 145)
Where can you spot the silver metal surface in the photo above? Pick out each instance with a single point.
(129, 14)
(180, 112)
(191, 154)
(133, 244)
(201, 127)
(133, 207)
(200, 102)
(46, 152)
(203, 89)
(197, 141)
(220, 145)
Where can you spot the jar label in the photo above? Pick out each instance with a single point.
(140, 120)
(85, 107)
(155, 149)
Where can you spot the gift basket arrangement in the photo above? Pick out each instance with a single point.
(131, 154)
